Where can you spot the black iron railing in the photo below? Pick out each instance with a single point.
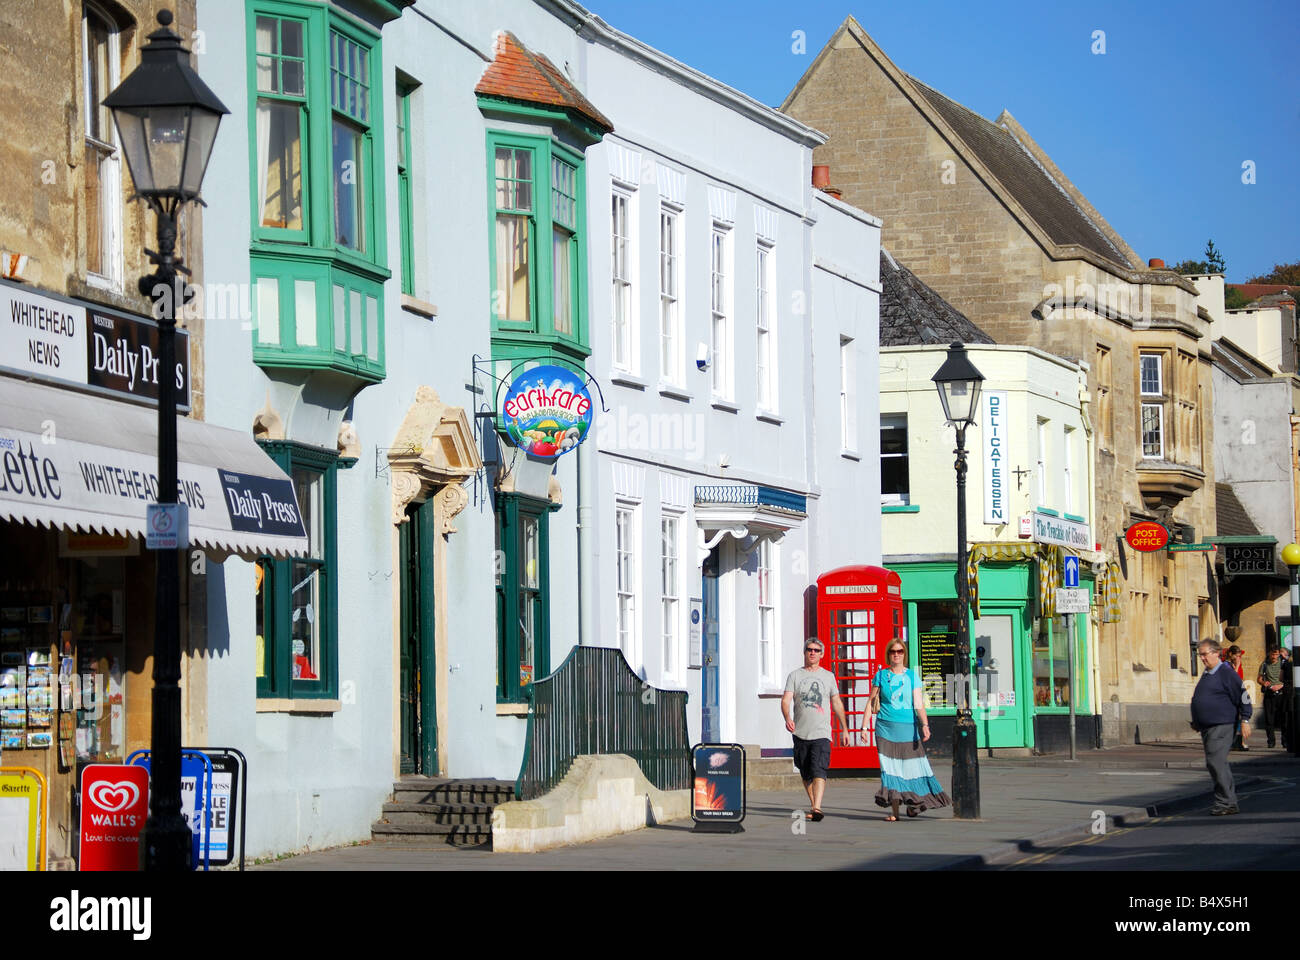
(594, 703)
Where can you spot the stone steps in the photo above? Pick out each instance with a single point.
(440, 810)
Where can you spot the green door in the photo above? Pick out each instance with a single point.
(419, 735)
(1001, 690)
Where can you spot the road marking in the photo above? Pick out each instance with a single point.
(1130, 773)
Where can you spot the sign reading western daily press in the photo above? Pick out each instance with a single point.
(547, 411)
(69, 342)
(261, 504)
(993, 442)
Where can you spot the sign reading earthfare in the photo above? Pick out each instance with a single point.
(547, 411)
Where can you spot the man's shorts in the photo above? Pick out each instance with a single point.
(812, 758)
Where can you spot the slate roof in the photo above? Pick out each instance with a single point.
(516, 73)
(1232, 519)
(911, 313)
(1023, 177)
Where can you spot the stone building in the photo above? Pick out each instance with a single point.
(983, 215)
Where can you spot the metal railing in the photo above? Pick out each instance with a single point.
(594, 703)
(750, 495)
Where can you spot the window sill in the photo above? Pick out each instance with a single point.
(768, 416)
(726, 405)
(851, 455)
(1070, 516)
(900, 508)
(1050, 513)
(421, 308)
(286, 705)
(513, 710)
(675, 392)
(626, 379)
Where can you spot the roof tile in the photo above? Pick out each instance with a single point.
(516, 73)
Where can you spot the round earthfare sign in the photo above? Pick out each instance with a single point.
(547, 411)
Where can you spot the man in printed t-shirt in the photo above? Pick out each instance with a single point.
(812, 694)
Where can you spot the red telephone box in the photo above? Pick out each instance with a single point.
(859, 610)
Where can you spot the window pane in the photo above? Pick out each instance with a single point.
(96, 222)
(528, 570)
(279, 156)
(290, 37)
(1151, 374)
(98, 79)
(372, 329)
(293, 77)
(354, 325)
(527, 631)
(262, 617)
(348, 222)
(307, 487)
(304, 308)
(304, 601)
(340, 318)
(268, 310)
(562, 291)
(510, 294)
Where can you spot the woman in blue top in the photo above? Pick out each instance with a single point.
(901, 729)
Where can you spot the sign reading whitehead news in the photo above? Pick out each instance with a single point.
(106, 351)
(261, 504)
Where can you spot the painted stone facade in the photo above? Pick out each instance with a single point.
(983, 215)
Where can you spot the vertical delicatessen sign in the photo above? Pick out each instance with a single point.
(993, 453)
(84, 345)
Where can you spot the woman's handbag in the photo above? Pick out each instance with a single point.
(873, 702)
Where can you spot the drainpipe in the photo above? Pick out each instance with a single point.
(586, 547)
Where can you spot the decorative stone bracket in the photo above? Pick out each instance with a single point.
(433, 453)
(740, 532)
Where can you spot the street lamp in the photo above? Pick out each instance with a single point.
(958, 383)
(167, 122)
(1291, 557)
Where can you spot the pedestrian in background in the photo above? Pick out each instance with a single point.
(1234, 656)
(1271, 686)
(1217, 702)
(902, 728)
(811, 694)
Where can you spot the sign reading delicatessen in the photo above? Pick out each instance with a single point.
(81, 462)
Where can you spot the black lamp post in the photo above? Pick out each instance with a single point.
(959, 383)
(167, 121)
(1291, 557)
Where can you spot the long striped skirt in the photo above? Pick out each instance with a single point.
(905, 774)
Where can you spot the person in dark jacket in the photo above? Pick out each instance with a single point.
(1217, 702)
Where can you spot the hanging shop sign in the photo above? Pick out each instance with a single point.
(547, 411)
(1146, 536)
(1065, 533)
(88, 346)
(1248, 558)
(993, 444)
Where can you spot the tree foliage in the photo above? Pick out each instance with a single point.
(1234, 299)
(1287, 273)
(1213, 262)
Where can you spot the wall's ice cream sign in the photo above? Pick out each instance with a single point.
(547, 411)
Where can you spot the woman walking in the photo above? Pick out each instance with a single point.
(901, 729)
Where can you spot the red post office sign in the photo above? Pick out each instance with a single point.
(1147, 536)
(114, 807)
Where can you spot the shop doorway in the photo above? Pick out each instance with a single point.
(1001, 704)
(710, 717)
(416, 694)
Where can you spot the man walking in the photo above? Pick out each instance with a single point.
(1270, 682)
(809, 691)
(1216, 703)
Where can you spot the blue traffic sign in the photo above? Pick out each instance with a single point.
(1071, 572)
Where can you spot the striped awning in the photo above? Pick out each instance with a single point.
(1050, 558)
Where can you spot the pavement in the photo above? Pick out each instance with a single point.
(1026, 804)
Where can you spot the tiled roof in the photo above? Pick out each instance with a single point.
(516, 73)
(1253, 291)
(1023, 177)
(1232, 518)
(912, 313)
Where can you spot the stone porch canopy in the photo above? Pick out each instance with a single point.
(745, 510)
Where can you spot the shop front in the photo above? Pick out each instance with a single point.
(78, 468)
(1021, 683)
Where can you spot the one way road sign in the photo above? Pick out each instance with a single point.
(1071, 572)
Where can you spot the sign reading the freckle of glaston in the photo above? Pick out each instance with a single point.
(547, 411)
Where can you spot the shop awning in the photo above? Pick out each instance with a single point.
(81, 462)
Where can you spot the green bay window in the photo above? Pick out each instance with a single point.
(296, 599)
(538, 249)
(317, 252)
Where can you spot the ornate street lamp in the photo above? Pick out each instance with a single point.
(167, 122)
(958, 383)
(1291, 557)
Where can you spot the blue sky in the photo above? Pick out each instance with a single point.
(1155, 131)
